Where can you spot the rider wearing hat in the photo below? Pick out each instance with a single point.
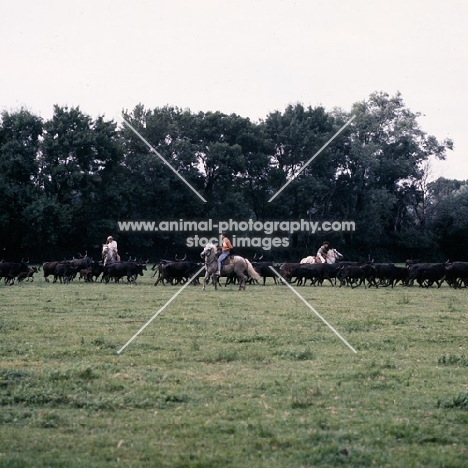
(112, 244)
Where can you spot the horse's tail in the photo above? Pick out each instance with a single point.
(251, 270)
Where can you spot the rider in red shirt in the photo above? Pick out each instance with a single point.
(226, 249)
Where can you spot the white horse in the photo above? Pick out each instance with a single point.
(309, 259)
(332, 257)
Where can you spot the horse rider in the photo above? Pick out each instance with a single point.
(322, 252)
(226, 248)
(112, 244)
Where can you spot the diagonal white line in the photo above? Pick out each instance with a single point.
(161, 309)
(312, 158)
(160, 157)
(313, 310)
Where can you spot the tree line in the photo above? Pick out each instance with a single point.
(67, 181)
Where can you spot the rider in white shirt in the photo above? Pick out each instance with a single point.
(322, 252)
(113, 245)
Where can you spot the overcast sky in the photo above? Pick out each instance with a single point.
(248, 57)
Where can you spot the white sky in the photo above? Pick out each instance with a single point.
(248, 57)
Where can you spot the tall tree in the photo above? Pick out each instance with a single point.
(78, 167)
(380, 175)
(447, 218)
(20, 134)
(296, 136)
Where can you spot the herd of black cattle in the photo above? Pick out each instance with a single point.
(85, 268)
(343, 273)
(371, 274)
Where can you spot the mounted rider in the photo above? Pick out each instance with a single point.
(112, 245)
(226, 248)
(323, 252)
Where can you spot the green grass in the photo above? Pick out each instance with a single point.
(232, 379)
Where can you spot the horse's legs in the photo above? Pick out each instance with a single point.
(242, 282)
(206, 279)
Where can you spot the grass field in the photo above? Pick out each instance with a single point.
(232, 379)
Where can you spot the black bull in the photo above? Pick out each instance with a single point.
(316, 272)
(426, 274)
(117, 270)
(64, 272)
(176, 272)
(50, 268)
(456, 274)
(80, 263)
(10, 270)
(264, 270)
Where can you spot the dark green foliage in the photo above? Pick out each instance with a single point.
(66, 182)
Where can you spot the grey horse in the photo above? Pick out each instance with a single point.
(108, 255)
(238, 266)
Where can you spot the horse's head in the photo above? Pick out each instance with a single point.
(337, 254)
(209, 249)
(333, 255)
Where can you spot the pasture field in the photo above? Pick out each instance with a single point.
(232, 379)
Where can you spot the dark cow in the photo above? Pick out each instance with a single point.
(64, 272)
(264, 270)
(456, 274)
(355, 275)
(386, 274)
(426, 274)
(96, 269)
(317, 273)
(49, 269)
(117, 270)
(10, 270)
(305, 272)
(86, 274)
(176, 272)
(81, 263)
(27, 275)
(382, 273)
(285, 270)
(329, 272)
(401, 274)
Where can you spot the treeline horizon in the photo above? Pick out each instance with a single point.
(66, 182)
